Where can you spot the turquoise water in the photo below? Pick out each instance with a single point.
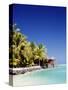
(55, 75)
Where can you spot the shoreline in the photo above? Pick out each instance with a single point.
(17, 71)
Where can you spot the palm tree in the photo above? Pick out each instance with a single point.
(23, 53)
(27, 53)
(40, 53)
(16, 41)
(14, 62)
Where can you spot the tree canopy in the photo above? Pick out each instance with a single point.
(23, 53)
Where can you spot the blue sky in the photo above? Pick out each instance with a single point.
(43, 24)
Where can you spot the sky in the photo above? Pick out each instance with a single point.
(43, 24)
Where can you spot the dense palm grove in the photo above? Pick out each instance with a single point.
(23, 53)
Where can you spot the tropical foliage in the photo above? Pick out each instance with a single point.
(23, 53)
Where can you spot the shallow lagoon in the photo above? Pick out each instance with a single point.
(55, 75)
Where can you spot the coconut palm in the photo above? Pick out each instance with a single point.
(16, 41)
(27, 53)
(23, 53)
(40, 53)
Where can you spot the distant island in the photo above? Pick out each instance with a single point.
(25, 54)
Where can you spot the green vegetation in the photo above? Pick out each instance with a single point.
(23, 53)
